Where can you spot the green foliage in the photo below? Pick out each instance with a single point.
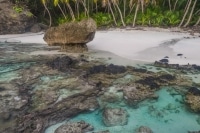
(18, 9)
(61, 20)
(102, 19)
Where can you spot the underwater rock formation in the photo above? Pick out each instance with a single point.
(75, 127)
(193, 101)
(144, 129)
(133, 96)
(109, 69)
(72, 36)
(115, 117)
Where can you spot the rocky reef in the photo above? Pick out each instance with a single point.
(37, 91)
(73, 36)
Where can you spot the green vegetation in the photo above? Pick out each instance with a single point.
(180, 13)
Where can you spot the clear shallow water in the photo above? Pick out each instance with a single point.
(167, 115)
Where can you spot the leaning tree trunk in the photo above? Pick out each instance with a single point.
(197, 23)
(71, 11)
(109, 5)
(62, 11)
(135, 16)
(120, 13)
(175, 5)
(186, 12)
(191, 13)
(50, 19)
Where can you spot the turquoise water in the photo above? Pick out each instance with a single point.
(166, 115)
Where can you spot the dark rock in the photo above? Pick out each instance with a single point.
(75, 127)
(107, 131)
(2, 88)
(164, 60)
(179, 54)
(5, 116)
(144, 129)
(140, 70)
(35, 28)
(166, 57)
(110, 69)
(166, 77)
(115, 117)
(194, 91)
(61, 63)
(150, 81)
(193, 131)
(73, 36)
(12, 21)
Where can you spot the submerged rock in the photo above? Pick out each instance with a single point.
(193, 101)
(61, 63)
(133, 96)
(110, 69)
(73, 36)
(194, 91)
(75, 127)
(115, 117)
(144, 129)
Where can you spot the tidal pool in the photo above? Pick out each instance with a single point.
(167, 114)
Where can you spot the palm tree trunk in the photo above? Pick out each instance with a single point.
(50, 19)
(175, 5)
(170, 6)
(109, 5)
(120, 13)
(124, 8)
(135, 16)
(197, 23)
(71, 11)
(86, 11)
(186, 12)
(62, 11)
(191, 13)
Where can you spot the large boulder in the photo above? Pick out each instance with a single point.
(14, 19)
(73, 36)
(115, 117)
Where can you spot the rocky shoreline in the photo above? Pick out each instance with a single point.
(38, 91)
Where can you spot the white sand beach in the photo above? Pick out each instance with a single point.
(133, 45)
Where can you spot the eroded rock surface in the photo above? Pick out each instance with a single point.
(14, 19)
(115, 117)
(73, 36)
(75, 127)
(144, 129)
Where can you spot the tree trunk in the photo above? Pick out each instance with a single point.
(62, 11)
(197, 23)
(120, 13)
(109, 5)
(124, 9)
(50, 19)
(191, 13)
(175, 5)
(71, 11)
(186, 12)
(135, 16)
(170, 6)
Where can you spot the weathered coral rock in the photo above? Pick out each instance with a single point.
(115, 117)
(73, 36)
(133, 95)
(144, 129)
(193, 101)
(13, 21)
(75, 127)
